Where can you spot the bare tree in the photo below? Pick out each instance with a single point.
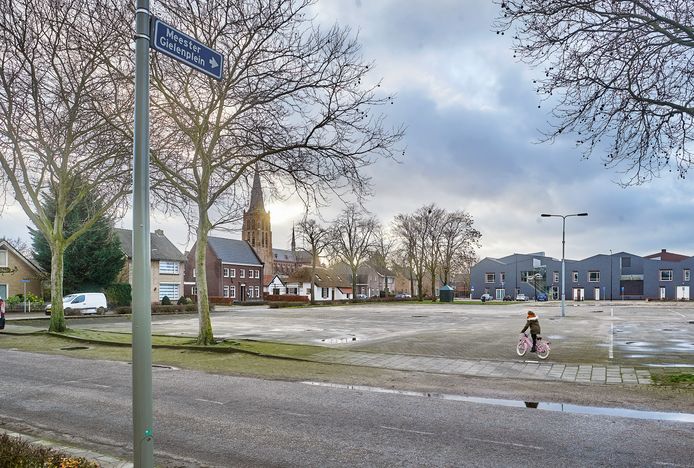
(621, 71)
(20, 245)
(458, 241)
(59, 109)
(384, 248)
(414, 233)
(432, 227)
(293, 103)
(351, 239)
(316, 238)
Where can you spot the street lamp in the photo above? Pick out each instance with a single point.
(563, 244)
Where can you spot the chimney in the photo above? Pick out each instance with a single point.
(159, 232)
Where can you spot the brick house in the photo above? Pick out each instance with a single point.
(234, 270)
(18, 272)
(168, 264)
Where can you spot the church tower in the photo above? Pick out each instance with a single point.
(256, 227)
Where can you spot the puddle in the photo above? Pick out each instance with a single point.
(419, 316)
(74, 348)
(597, 311)
(670, 365)
(558, 407)
(339, 340)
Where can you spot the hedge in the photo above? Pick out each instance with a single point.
(286, 298)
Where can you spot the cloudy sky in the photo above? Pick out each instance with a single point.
(473, 123)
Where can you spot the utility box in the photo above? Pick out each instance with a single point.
(446, 293)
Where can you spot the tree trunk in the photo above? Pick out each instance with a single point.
(313, 276)
(205, 336)
(354, 285)
(57, 314)
(433, 286)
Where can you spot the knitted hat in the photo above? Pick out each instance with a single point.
(531, 314)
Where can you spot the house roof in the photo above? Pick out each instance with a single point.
(324, 278)
(383, 271)
(161, 247)
(234, 251)
(667, 256)
(294, 256)
(5, 244)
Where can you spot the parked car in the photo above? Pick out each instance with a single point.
(361, 296)
(486, 297)
(541, 297)
(521, 297)
(83, 303)
(403, 296)
(508, 297)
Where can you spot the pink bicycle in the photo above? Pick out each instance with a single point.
(525, 343)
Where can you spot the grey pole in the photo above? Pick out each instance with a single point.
(143, 450)
(563, 245)
(563, 265)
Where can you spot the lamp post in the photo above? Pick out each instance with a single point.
(563, 245)
(610, 275)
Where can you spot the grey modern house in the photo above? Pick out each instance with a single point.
(616, 276)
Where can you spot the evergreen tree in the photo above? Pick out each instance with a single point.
(94, 260)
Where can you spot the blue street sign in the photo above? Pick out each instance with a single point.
(185, 49)
(25, 281)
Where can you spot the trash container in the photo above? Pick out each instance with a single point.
(446, 293)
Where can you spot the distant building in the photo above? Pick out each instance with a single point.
(327, 285)
(168, 264)
(665, 276)
(18, 272)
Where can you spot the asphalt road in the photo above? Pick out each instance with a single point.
(212, 420)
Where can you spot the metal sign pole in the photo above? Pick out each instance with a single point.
(143, 445)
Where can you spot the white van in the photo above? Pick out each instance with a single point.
(85, 303)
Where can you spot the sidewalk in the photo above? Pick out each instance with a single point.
(520, 369)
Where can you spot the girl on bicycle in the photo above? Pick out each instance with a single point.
(534, 324)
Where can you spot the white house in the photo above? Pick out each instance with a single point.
(327, 285)
(276, 286)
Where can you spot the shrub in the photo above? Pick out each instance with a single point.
(220, 300)
(20, 453)
(165, 301)
(286, 298)
(282, 305)
(119, 294)
(184, 300)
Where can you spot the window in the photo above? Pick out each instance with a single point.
(489, 277)
(193, 272)
(574, 276)
(226, 272)
(250, 292)
(194, 290)
(257, 274)
(594, 276)
(502, 276)
(665, 275)
(232, 291)
(686, 275)
(226, 291)
(324, 293)
(168, 268)
(257, 292)
(293, 291)
(242, 273)
(3, 258)
(169, 290)
(232, 273)
(626, 262)
(555, 277)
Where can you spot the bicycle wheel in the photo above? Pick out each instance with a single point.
(522, 348)
(542, 351)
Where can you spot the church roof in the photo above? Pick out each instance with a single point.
(257, 203)
(234, 251)
(296, 256)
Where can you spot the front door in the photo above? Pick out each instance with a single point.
(500, 294)
(682, 293)
(579, 294)
(242, 292)
(597, 294)
(662, 292)
(555, 292)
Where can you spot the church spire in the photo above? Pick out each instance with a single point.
(256, 195)
(293, 239)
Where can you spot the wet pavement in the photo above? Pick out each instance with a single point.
(596, 342)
